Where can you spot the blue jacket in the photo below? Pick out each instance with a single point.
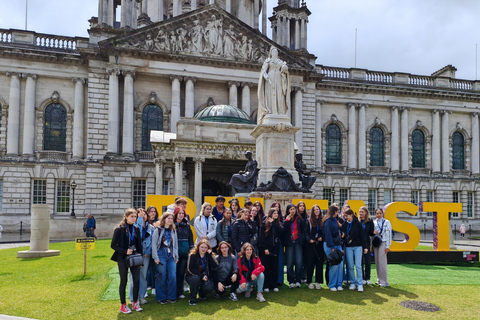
(331, 233)
(147, 239)
(91, 223)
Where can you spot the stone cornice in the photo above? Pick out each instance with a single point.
(398, 91)
(41, 55)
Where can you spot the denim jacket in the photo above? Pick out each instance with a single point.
(147, 242)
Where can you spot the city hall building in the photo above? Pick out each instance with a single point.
(164, 101)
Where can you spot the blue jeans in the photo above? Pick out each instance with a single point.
(294, 258)
(281, 265)
(142, 288)
(335, 273)
(258, 281)
(165, 279)
(354, 261)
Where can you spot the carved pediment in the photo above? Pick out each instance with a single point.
(208, 33)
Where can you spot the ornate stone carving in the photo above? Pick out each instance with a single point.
(377, 121)
(153, 97)
(458, 126)
(334, 118)
(55, 96)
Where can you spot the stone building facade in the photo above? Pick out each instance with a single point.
(82, 109)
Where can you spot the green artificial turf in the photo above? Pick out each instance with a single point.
(55, 288)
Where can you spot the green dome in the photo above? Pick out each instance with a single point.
(223, 113)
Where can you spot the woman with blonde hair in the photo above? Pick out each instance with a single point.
(368, 228)
(206, 225)
(165, 255)
(200, 271)
(126, 241)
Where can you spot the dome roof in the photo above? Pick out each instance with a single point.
(223, 113)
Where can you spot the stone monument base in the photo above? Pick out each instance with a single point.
(284, 198)
(37, 254)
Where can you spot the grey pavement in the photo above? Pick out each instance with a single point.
(5, 317)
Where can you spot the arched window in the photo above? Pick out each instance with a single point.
(458, 150)
(377, 149)
(152, 119)
(55, 130)
(334, 144)
(418, 149)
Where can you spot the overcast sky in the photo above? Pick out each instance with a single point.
(414, 36)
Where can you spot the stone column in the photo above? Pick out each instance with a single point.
(445, 142)
(362, 138)
(113, 112)
(110, 12)
(123, 21)
(318, 134)
(232, 93)
(303, 37)
(178, 188)
(100, 12)
(475, 144)
(297, 34)
(287, 34)
(246, 97)
(395, 155)
(133, 14)
(228, 6)
(78, 119)
(177, 7)
(159, 164)
(13, 124)
(193, 4)
(404, 165)
(256, 13)
(436, 141)
(352, 137)
(264, 17)
(175, 102)
(29, 117)
(128, 114)
(190, 97)
(197, 197)
(298, 117)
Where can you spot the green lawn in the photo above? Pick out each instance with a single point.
(55, 288)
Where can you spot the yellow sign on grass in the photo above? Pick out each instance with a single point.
(85, 243)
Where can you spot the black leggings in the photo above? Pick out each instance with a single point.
(123, 271)
(366, 265)
(181, 267)
(228, 282)
(270, 262)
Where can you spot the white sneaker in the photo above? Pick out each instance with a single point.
(369, 282)
(352, 287)
(247, 293)
(275, 290)
(181, 296)
(292, 285)
(311, 286)
(334, 289)
(318, 286)
(339, 289)
(266, 290)
(297, 285)
(364, 282)
(260, 297)
(153, 291)
(360, 288)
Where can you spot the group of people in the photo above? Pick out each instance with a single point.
(243, 248)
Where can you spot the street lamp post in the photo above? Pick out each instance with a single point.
(73, 185)
(333, 195)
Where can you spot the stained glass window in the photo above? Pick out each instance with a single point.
(458, 151)
(377, 149)
(152, 119)
(55, 130)
(418, 149)
(334, 144)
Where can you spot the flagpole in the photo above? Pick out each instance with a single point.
(26, 14)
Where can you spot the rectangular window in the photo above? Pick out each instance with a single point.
(372, 200)
(62, 202)
(456, 199)
(327, 195)
(343, 196)
(165, 187)
(39, 192)
(430, 198)
(1, 194)
(387, 196)
(470, 203)
(414, 197)
(139, 198)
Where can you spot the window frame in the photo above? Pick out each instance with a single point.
(146, 129)
(139, 197)
(458, 151)
(50, 143)
(377, 148)
(418, 161)
(65, 184)
(333, 154)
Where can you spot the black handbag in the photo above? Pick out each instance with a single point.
(134, 260)
(335, 257)
(376, 241)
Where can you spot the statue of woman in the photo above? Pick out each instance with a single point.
(273, 87)
(246, 181)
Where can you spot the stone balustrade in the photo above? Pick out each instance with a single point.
(334, 73)
(42, 41)
(5, 36)
(55, 42)
(52, 156)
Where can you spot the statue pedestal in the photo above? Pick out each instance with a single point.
(284, 198)
(275, 147)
